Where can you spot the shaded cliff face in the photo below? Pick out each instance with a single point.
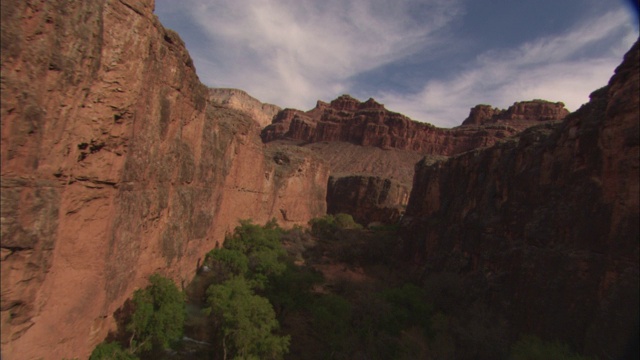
(115, 165)
(546, 224)
(367, 198)
(239, 100)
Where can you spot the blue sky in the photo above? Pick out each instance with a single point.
(431, 60)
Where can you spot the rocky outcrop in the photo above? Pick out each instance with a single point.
(367, 198)
(546, 224)
(370, 124)
(395, 139)
(115, 165)
(239, 100)
(521, 114)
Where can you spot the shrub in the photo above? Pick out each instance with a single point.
(345, 221)
(323, 227)
(327, 226)
(111, 351)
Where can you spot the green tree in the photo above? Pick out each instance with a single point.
(324, 227)
(345, 221)
(233, 262)
(532, 348)
(291, 290)
(409, 307)
(327, 227)
(111, 351)
(252, 251)
(248, 321)
(332, 323)
(158, 319)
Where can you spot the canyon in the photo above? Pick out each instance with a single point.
(368, 147)
(117, 162)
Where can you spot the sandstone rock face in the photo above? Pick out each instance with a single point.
(367, 198)
(372, 129)
(370, 124)
(521, 114)
(238, 99)
(548, 223)
(116, 165)
(368, 170)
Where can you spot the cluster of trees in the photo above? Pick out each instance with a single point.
(328, 226)
(243, 267)
(244, 321)
(156, 323)
(258, 302)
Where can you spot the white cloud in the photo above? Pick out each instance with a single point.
(293, 52)
(558, 68)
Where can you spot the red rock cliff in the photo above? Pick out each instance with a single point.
(521, 114)
(368, 127)
(237, 99)
(115, 165)
(548, 222)
(370, 124)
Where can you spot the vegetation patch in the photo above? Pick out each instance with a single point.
(271, 293)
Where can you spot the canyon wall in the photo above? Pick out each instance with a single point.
(115, 165)
(521, 114)
(385, 144)
(367, 198)
(546, 223)
(240, 100)
(370, 124)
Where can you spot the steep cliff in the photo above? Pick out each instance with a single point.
(367, 141)
(520, 115)
(115, 165)
(367, 198)
(370, 124)
(237, 99)
(546, 224)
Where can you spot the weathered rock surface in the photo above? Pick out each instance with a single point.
(115, 165)
(361, 172)
(238, 99)
(370, 124)
(521, 114)
(367, 198)
(547, 224)
(397, 141)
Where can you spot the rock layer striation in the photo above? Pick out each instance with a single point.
(369, 124)
(521, 114)
(395, 140)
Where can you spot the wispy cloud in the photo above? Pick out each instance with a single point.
(559, 68)
(293, 52)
